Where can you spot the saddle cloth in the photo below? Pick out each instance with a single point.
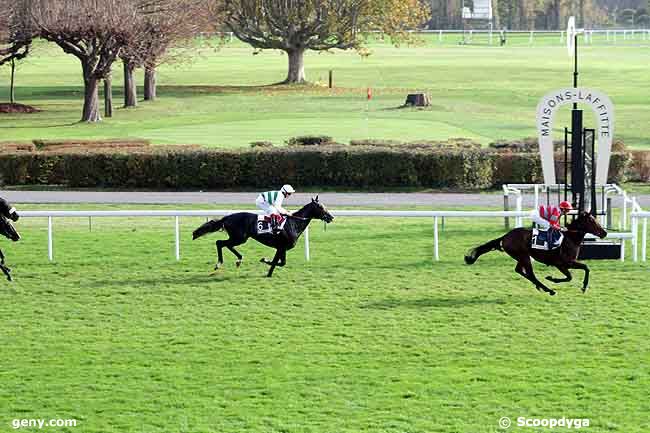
(541, 239)
(264, 223)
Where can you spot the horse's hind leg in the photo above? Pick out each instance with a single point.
(220, 245)
(229, 243)
(525, 268)
(564, 271)
(236, 253)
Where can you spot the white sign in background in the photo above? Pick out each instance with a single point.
(603, 110)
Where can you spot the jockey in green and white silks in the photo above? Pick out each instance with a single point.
(271, 201)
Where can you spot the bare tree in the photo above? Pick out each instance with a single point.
(295, 26)
(172, 25)
(16, 34)
(94, 31)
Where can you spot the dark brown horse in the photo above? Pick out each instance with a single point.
(7, 214)
(517, 244)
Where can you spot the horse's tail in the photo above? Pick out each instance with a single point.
(209, 227)
(472, 255)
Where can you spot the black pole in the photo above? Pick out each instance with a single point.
(577, 161)
(566, 162)
(575, 67)
(12, 93)
(594, 204)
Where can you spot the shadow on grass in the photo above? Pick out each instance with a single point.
(32, 126)
(431, 303)
(168, 280)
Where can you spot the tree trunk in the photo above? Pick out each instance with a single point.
(12, 93)
(296, 67)
(108, 96)
(130, 90)
(149, 84)
(91, 100)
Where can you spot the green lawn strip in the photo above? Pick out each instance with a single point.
(222, 97)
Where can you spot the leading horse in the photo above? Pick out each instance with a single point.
(243, 225)
(518, 244)
(7, 215)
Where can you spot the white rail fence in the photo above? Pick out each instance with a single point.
(638, 214)
(436, 216)
(610, 36)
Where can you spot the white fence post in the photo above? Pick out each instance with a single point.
(177, 232)
(635, 237)
(436, 254)
(644, 239)
(624, 221)
(307, 258)
(50, 252)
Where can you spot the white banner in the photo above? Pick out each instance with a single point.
(603, 110)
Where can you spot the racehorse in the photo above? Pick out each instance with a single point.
(517, 244)
(243, 225)
(7, 214)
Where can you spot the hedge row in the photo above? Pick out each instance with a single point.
(349, 166)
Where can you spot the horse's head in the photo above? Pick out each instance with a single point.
(7, 214)
(588, 224)
(316, 210)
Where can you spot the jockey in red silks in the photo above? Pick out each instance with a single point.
(547, 218)
(271, 203)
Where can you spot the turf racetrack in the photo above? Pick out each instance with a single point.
(370, 336)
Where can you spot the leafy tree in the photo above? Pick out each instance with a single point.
(295, 26)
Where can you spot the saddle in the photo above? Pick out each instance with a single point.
(267, 224)
(546, 240)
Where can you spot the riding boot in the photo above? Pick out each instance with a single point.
(275, 225)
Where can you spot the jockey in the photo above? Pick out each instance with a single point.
(547, 219)
(271, 203)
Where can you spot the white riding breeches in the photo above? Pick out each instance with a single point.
(542, 224)
(265, 206)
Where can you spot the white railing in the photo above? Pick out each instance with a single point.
(611, 35)
(177, 214)
(519, 215)
(608, 35)
(636, 215)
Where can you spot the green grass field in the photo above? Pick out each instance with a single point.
(222, 98)
(370, 336)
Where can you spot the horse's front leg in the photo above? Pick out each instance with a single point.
(564, 271)
(3, 267)
(585, 282)
(274, 263)
(283, 258)
(6, 271)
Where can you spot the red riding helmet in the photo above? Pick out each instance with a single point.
(565, 205)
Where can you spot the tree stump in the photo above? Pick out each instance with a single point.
(417, 100)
